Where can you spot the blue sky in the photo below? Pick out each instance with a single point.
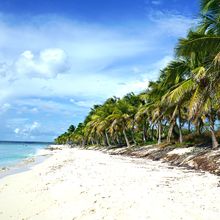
(59, 58)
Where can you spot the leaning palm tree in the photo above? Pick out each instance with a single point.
(210, 13)
(204, 78)
(142, 121)
(154, 106)
(121, 119)
(188, 90)
(174, 75)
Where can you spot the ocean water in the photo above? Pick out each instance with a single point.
(12, 153)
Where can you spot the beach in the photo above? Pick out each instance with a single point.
(86, 184)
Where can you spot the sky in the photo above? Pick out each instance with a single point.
(59, 58)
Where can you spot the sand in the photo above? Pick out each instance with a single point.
(79, 184)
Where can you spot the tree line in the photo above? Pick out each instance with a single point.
(184, 99)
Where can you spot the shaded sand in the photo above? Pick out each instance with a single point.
(78, 184)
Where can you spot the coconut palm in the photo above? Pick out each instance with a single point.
(175, 74)
(121, 119)
(210, 14)
(187, 91)
(204, 80)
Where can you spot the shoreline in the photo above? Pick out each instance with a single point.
(191, 158)
(22, 166)
(29, 162)
(88, 184)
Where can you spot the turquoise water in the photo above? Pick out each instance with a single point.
(14, 152)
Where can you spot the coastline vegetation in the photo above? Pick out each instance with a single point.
(182, 106)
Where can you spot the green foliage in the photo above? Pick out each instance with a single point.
(186, 94)
(71, 129)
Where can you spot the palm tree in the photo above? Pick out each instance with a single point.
(175, 74)
(142, 118)
(120, 119)
(155, 107)
(204, 78)
(210, 14)
(188, 90)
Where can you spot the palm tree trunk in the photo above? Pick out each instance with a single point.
(83, 143)
(126, 138)
(96, 142)
(99, 143)
(118, 138)
(212, 129)
(180, 127)
(189, 126)
(170, 132)
(133, 139)
(132, 133)
(107, 139)
(114, 141)
(159, 132)
(152, 132)
(103, 140)
(144, 133)
(199, 126)
(92, 141)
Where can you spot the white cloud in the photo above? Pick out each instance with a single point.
(172, 23)
(90, 48)
(34, 126)
(136, 87)
(47, 61)
(84, 42)
(27, 129)
(48, 107)
(84, 103)
(5, 107)
(17, 130)
(156, 2)
(47, 64)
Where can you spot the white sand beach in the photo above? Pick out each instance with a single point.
(79, 184)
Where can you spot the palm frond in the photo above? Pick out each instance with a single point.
(199, 73)
(198, 43)
(178, 93)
